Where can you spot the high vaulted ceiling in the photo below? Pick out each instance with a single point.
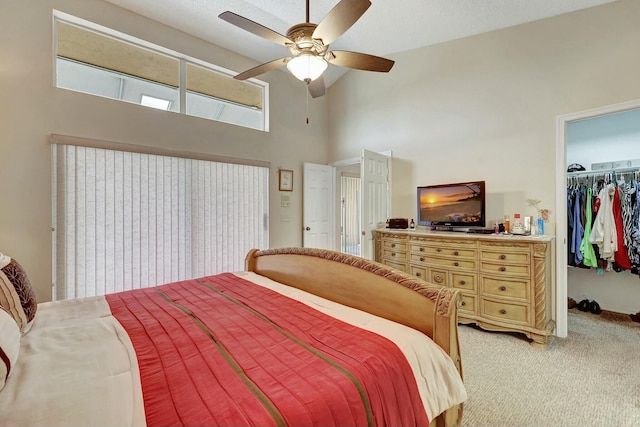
(387, 27)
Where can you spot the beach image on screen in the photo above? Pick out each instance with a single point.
(462, 204)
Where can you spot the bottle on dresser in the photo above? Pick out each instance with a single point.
(518, 226)
(507, 224)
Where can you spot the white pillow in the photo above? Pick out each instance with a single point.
(9, 345)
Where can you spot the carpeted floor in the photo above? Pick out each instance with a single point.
(590, 378)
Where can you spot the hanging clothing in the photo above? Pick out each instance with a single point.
(634, 231)
(586, 248)
(578, 229)
(621, 256)
(603, 233)
(603, 219)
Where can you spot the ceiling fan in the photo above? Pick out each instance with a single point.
(308, 44)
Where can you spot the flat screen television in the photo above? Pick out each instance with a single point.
(452, 205)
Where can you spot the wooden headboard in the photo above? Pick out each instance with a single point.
(368, 286)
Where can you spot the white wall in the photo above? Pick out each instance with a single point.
(606, 138)
(32, 109)
(485, 107)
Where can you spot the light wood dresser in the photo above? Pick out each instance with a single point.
(507, 282)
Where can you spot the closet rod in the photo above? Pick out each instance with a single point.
(603, 171)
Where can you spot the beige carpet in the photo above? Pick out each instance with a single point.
(590, 378)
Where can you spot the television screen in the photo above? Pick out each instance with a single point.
(452, 205)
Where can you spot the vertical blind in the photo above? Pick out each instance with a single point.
(350, 188)
(128, 220)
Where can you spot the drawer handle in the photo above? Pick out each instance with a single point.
(456, 253)
(393, 254)
(418, 274)
(503, 268)
(462, 282)
(438, 250)
(438, 278)
(503, 311)
(463, 303)
(421, 249)
(456, 263)
(421, 258)
(393, 245)
(503, 257)
(503, 288)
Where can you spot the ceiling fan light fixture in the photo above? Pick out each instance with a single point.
(307, 67)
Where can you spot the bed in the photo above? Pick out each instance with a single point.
(301, 337)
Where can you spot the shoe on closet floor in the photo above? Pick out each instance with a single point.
(571, 303)
(583, 305)
(594, 307)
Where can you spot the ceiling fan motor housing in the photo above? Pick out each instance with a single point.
(302, 37)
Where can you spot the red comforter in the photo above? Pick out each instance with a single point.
(223, 351)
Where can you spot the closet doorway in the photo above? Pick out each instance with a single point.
(613, 292)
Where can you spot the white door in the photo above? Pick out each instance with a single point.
(318, 217)
(374, 174)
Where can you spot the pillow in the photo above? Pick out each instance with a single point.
(9, 345)
(16, 294)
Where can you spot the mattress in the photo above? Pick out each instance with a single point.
(79, 366)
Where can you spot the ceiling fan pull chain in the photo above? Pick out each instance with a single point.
(307, 92)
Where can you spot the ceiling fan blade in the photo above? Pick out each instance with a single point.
(263, 68)
(254, 27)
(340, 19)
(361, 61)
(317, 87)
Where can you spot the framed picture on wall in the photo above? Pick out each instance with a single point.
(285, 180)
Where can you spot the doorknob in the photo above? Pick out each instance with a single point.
(308, 228)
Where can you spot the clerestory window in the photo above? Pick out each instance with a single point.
(96, 60)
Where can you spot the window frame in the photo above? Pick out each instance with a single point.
(183, 60)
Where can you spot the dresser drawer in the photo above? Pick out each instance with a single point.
(505, 312)
(467, 304)
(454, 264)
(506, 247)
(391, 254)
(397, 265)
(420, 259)
(500, 269)
(511, 258)
(394, 245)
(419, 272)
(440, 251)
(505, 288)
(464, 281)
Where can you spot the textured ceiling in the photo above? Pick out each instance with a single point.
(387, 27)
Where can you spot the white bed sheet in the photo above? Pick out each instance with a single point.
(76, 367)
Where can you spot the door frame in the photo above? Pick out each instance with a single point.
(353, 161)
(560, 304)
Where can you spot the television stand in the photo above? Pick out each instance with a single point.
(506, 282)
